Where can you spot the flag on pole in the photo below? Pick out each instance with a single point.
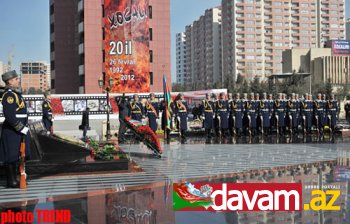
(167, 98)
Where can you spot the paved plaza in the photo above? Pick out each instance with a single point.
(179, 162)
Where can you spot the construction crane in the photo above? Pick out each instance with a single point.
(10, 59)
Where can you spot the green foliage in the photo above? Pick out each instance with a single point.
(107, 152)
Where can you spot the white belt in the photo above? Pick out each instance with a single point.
(21, 115)
(50, 113)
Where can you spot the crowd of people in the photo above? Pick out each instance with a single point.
(251, 115)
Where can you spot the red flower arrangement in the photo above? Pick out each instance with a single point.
(148, 136)
(56, 104)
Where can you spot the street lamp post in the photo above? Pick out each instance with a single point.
(107, 89)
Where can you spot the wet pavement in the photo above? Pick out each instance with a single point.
(146, 196)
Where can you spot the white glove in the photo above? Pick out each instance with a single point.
(25, 130)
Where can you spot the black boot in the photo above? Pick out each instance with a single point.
(183, 134)
(208, 133)
(11, 176)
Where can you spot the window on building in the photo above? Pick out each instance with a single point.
(52, 9)
(151, 77)
(81, 38)
(52, 28)
(150, 34)
(278, 17)
(151, 56)
(52, 46)
(150, 12)
(52, 83)
(278, 24)
(52, 65)
(81, 17)
(81, 80)
(81, 59)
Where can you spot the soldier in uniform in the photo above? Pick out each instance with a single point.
(14, 128)
(265, 111)
(230, 117)
(136, 109)
(207, 109)
(332, 109)
(256, 106)
(152, 112)
(123, 107)
(216, 121)
(251, 106)
(237, 108)
(319, 113)
(307, 113)
(272, 112)
(246, 119)
(293, 106)
(222, 110)
(47, 113)
(181, 111)
(280, 108)
(163, 107)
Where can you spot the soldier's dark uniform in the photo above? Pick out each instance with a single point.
(230, 116)
(246, 107)
(332, 110)
(47, 114)
(293, 106)
(152, 112)
(14, 129)
(307, 113)
(319, 113)
(281, 110)
(136, 110)
(238, 107)
(222, 110)
(265, 111)
(162, 107)
(181, 111)
(272, 112)
(253, 114)
(216, 122)
(207, 109)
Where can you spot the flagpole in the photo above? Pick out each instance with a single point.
(166, 105)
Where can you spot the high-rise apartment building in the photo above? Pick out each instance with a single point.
(255, 32)
(348, 29)
(203, 51)
(2, 71)
(77, 46)
(180, 58)
(35, 75)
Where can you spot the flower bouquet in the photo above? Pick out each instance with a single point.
(145, 133)
(100, 151)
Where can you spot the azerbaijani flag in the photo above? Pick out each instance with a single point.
(167, 98)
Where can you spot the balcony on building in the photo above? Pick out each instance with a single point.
(81, 69)
(81, 48)
(81, 27)
(80, 5)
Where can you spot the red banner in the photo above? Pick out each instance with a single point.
(127, 57)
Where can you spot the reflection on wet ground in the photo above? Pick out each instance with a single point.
(146, 197)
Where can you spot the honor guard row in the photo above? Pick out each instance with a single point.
(151, 108)
(254, 115)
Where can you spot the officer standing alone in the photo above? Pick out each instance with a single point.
(14, 127)
(47, 113)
